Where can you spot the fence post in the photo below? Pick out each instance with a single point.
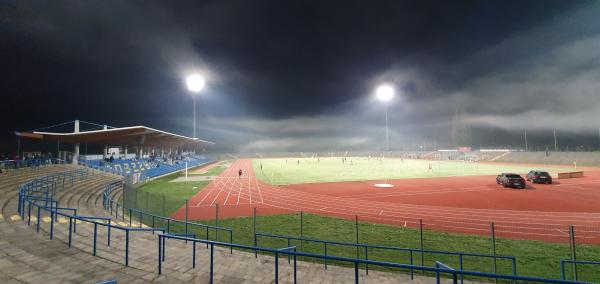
(217, 221)
(164, 210)
(254, 230)
(186, 216)
(301, 230)
(573, 250)
(493, 235)
(421, 240)
(356, 231)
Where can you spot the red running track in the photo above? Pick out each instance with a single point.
(455, 204)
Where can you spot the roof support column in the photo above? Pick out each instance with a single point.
(76, 148)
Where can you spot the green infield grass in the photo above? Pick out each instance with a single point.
(283, 171)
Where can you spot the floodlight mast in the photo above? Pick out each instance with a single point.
(385, 93)
(195, 84)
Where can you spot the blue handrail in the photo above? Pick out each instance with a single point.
(140, 215)
(411, 251)
(355, 261)
(574, 263)
(41, 185)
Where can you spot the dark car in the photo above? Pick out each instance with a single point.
(539, 177)
(510, 180)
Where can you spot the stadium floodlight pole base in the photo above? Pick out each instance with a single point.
(384, 185)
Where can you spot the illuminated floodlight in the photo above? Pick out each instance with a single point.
(195, 83)
(384, 93)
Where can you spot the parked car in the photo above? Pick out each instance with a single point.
(510, 180)
(536, 176)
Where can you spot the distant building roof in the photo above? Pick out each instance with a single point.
(123, 136)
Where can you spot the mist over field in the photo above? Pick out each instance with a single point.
(477, 76)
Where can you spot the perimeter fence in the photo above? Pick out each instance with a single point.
(538, 249)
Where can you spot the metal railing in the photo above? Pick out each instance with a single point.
(574, 264)
(354, 261)
(410, 251)
(113, 206)
(38, 195)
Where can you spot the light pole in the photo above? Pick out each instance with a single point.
(385, 93)
(195, 84)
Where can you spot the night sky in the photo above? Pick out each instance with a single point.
(300, 75)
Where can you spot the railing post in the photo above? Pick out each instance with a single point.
(51, 224)
(126, 247)
(70, 230)
(194, 255)
(29, 213)
(38, 219)
(573, 251)
(356, 272)
(160, 254)
(211, 262)
(109, 226)
(95, 237)
(276, 267)
(295, 278)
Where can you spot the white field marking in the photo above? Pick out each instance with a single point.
(239, 194)
(323, 208)
(227, 198)
(429, 192)
(563, 232)
(380, 212)
(404, 224)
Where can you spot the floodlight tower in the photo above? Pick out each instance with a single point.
(195, 84)
(385, 93)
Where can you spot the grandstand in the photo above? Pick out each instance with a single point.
(157, 153)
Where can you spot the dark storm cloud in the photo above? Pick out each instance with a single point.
(287, 75)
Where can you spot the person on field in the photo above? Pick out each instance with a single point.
(240, 173)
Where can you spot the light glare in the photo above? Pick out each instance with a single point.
(195, 83)
(385, 93)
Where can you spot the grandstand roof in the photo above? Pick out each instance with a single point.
(123, 136)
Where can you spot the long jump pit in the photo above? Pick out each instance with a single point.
(448, 204)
